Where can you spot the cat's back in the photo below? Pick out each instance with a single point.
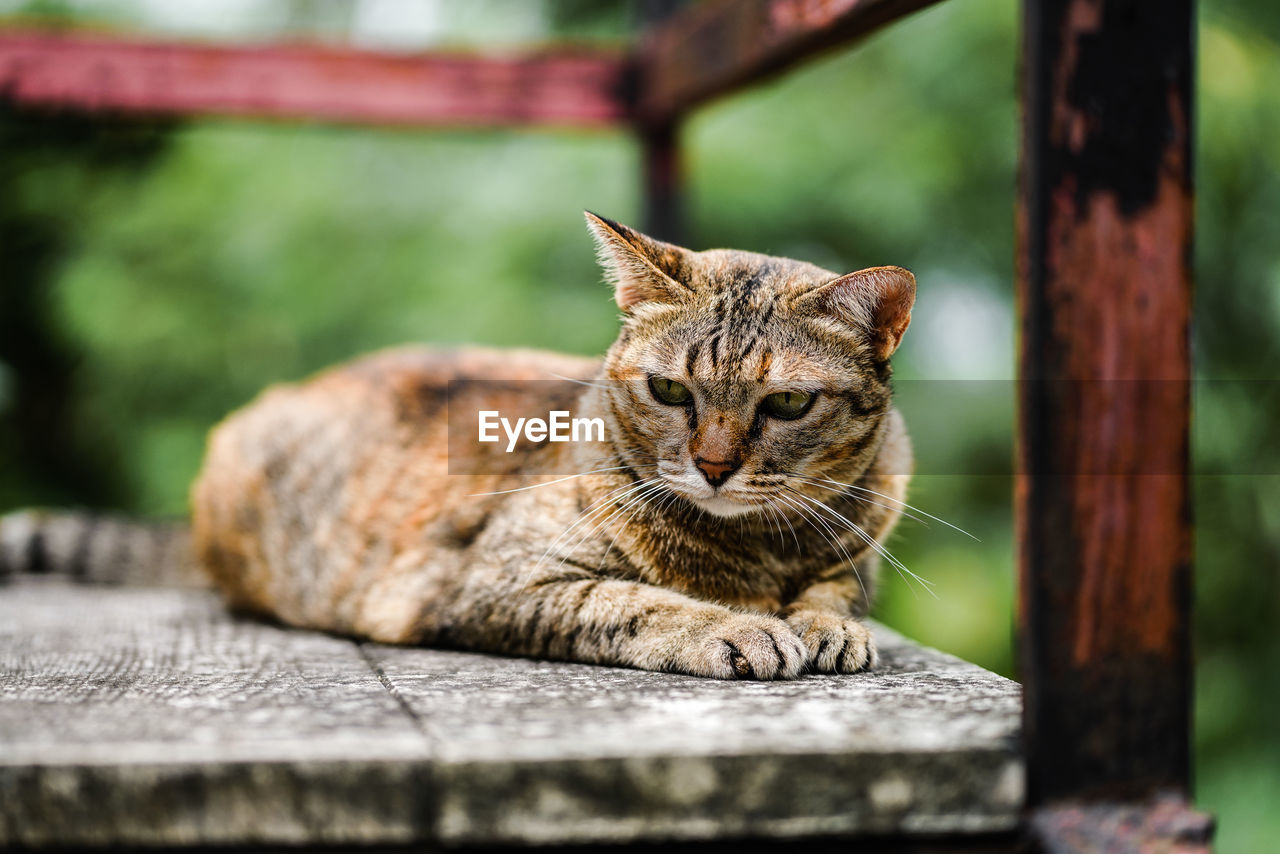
(390, 401)
(315, 487)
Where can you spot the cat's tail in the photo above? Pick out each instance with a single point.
(97, 548)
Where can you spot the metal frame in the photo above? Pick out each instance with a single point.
(1104, 286)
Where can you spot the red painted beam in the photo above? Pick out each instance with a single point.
(92, 72)
(1105, 236)
(714, 47)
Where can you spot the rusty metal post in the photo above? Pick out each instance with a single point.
(659, 140)
(1105, 236)
(663, 199)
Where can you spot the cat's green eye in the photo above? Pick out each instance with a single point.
(787, 404)
(669, 391)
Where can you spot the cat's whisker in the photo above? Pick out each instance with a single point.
(649, 497)
(645, 497)
(600, 507)
(784, 518)
(612, 502)
(604, 500)
(579, 520)
(779, 519)
(818, 524)
(560, 480)
(578, 381)
(833, 539)
(871, 542)
(663, 503)
(671, 499)
(899, 502)
(915, 509)
(773, 522)
(845, 490)
(849, 525)
(593, 512)
(621, 508)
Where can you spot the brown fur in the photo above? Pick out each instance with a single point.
(330, 503)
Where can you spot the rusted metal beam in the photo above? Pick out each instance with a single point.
(98, 73)
(713, 47)
(1105, 235)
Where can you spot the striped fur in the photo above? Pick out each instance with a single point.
(96, 548)
(337, 503)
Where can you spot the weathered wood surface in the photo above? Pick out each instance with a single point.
(94, 72)
(151, 717)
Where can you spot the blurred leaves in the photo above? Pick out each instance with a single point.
(256, 255)
(1238, 517)
(48, 165)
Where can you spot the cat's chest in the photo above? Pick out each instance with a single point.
(736, 572)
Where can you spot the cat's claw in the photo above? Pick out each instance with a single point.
(834, 644)
(751, 647)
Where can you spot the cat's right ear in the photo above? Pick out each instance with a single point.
(641, 269)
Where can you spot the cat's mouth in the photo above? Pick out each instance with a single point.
(720, 503)
(725, 507)
(724, 501)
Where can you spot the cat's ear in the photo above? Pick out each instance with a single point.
(640, 268)
(877, 301)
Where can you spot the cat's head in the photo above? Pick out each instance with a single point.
(739, 375)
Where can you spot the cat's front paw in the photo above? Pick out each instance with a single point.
(748, 646)
(833, 644)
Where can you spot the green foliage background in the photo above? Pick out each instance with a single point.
(153, 278)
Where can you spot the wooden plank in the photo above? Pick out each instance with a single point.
(150, 717)
(714, 47)
(1105, 233)
(93, 72)
(136, 717)
(534, 752)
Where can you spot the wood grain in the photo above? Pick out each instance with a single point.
(925, 743)
(151, 717)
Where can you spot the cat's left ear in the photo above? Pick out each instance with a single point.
(877, 301)
(640, 268)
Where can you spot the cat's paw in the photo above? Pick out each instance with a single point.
(748, 646)
(834, 644)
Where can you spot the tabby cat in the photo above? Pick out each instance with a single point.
(728, 525)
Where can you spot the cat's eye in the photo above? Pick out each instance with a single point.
(787, 404)
(669, 391)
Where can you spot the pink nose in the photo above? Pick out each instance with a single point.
(715, 472)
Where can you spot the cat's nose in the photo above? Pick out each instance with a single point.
(715, 472)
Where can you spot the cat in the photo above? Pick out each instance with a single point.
(728, 523)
